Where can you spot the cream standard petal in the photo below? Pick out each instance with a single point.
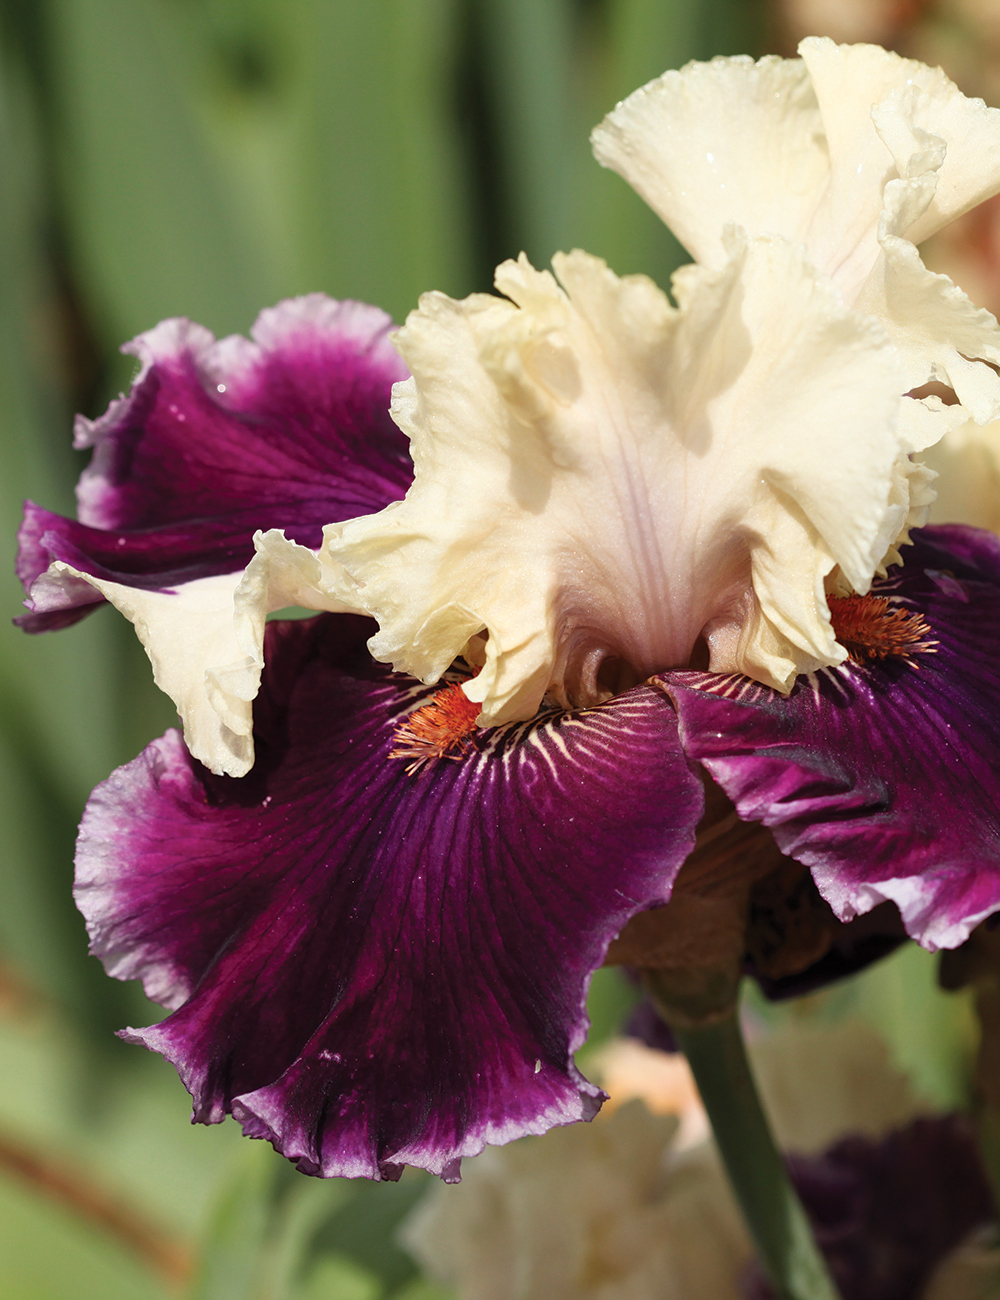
(790, 147)
(967, 464)
(852, 80)
(720, 142)
(602, 478)
(849, 81)
(940, 333)
(944, 151)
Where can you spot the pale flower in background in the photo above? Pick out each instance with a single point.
(606, 1211)
(635, 1206)
(820, 1083)
(630, 1071)
(967, 462)
(847, 20)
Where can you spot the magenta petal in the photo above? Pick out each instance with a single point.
(884, 779)
(219, 439)
(374, 969)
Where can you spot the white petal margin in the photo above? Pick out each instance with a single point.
(917, 900)
(189, 631)
(852, 150)
(281, 574)
(602, 478)
(182, 631)
(788, 146)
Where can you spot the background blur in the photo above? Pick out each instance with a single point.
(206, 158)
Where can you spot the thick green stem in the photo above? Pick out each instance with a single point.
(770, 1205)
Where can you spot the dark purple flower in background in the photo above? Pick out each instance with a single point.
(886, 1212)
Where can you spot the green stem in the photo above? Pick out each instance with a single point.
(771, 1207)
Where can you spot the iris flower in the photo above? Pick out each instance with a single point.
(640, 540)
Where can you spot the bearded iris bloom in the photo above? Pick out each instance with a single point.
(640, 540)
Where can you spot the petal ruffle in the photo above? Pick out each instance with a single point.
(181, 631)
(374, 969)
(967, 464)
(789, 147)
(726, 142)
(204, 638)
(218, 439)
(884, 117)
(601, 478)
(853, 152)
(882, 778)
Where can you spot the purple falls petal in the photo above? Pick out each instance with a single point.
(220, 438)
(369, 968)
(884, 779)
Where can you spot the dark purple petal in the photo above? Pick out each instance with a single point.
(855, 945)
(219, 439)
(884, 779)
(645, 1024)
(886, 1212)
(374, 969)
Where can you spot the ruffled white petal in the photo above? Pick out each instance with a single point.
(721, 142)
(205, 639)
(281, 574)
(852, 150)
(182, 631)
(937, 113)
(940, 334)
(789, 146)
(850, 81)
(966, 463)
(602, 478)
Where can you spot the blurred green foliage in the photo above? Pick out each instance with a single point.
(206, 158)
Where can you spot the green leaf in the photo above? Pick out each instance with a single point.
(364, 1230)
(641, 40)
(610, 999)
(49, 1253)
(235, 1241)
(421, 1289)
(307, 1205)
(338, 1278)
(154, 227)
(529, 48)
(56, 739)
(373, 158)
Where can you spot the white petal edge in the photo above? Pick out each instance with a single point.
(205, 639)
(915, 896)
(281, 574)
(183, 632)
